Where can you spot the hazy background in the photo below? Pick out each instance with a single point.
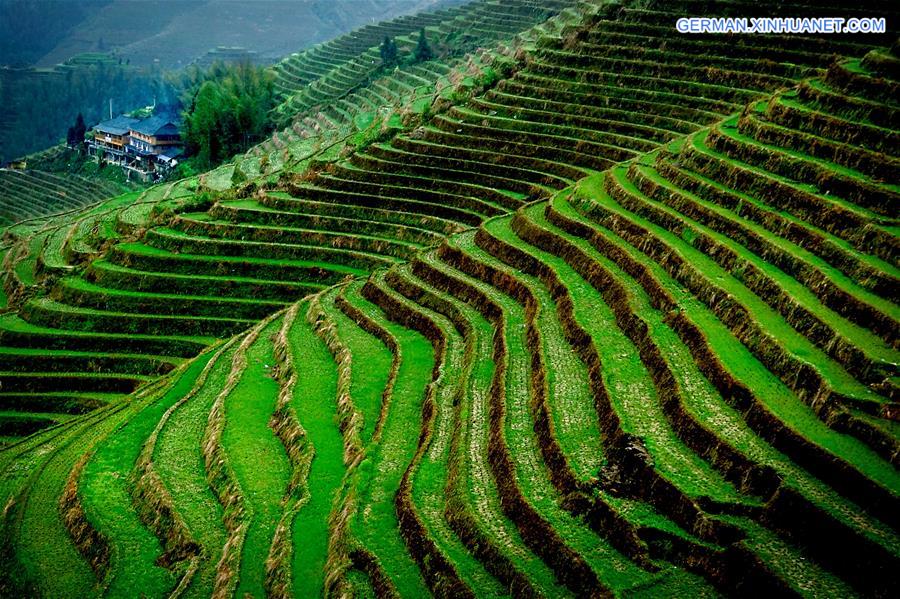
(62, 57)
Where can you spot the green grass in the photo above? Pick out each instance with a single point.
(430, 478)
(776, 397)
(107, 501)
(314, 401)
(42, 542)
(375, 525)
(870, 344)
(772, 322)
(179, 462)
(626, 378)
(612, 568)
(370, 368)
(257, 457)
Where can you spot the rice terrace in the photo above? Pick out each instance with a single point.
(530, 298)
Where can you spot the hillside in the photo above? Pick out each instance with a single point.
(173, 34)
(604, 310)
(117, 50)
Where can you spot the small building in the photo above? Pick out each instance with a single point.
(111, 139)
(148, 147)
(154, 135)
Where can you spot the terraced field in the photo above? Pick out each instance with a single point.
(329, 71)
(626, 324)
(26, 194)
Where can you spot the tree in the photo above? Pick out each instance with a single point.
(75, 134)
(80, 128)
(423, 50)
(228, 111)
(389, 53)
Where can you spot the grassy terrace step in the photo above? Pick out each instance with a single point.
(555, 159)
(644, 133)
(45, 312)
(528, 162)
(107, 503)
(816, 93)
(576, 548)
(861, 228)
(769, 388)
(649, 119)
(570, 404)
(315, 398)
(630, 385)
(23, 359)
(16, 424)
(833, 287)
(861, 350)
(876, 165)
(866, 270)
(422, 490)
(845, 183)
(15, 332)
(475, 512)
(280, 201)
(110, 275)
(83, 294)
(447, 200)
(737, 74)
(500, 125)
(370, 367)
(728, 422)
(699, 102)
(456, 172)
(260, 466)
(42, 542)
(67, 403)
(148, 258)
(174, 448)
(609, 42)
(652, 105)
(851, 77)
(786, 110)
(863, 275)
(180, 242)
(689, 266)
(254, 213)
(596, 156)
(42, 382)
(381, 164)
(658, 83)
(203, 224)
(375, 525)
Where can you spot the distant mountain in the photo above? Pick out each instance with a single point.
(173, 34)
(29, 29)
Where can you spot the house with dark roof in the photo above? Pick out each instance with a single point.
(154, 135)
(113, 134)
(148, 147)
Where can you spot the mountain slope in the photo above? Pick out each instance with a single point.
(645, 345)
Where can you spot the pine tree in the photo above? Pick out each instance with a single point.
(423, 49)
(80, 128)
(75, 134)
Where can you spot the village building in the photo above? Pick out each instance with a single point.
(146, 148)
